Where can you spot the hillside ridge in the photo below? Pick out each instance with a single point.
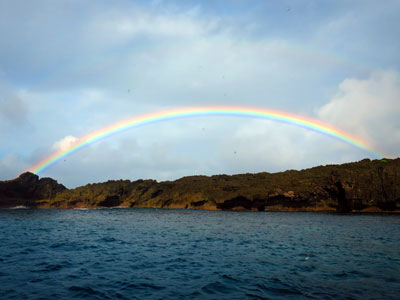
(364, 186)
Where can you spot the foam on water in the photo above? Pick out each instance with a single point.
(19, 207)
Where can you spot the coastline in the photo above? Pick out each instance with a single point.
(276, 208)
(360, 187)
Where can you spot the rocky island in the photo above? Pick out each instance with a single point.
(364, 186)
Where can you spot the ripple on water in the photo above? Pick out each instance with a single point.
(184, 254)
(85, 292)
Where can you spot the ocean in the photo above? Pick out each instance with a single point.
(192, 254)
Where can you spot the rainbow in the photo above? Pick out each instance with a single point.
(137, 121)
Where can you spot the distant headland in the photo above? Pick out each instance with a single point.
(364, 186)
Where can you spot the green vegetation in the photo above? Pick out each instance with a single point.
(361, 186)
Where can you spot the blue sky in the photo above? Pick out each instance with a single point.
(68, 68)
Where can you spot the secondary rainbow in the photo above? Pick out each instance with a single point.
(186, 112)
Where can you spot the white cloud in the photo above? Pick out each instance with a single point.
(65, 143)
(261, 145)
(119, 26)
(368, 108)
(122, 158)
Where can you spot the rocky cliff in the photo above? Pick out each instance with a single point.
(27, 189)
(367, 186)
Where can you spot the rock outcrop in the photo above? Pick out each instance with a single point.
(372, 186)
(27, 189)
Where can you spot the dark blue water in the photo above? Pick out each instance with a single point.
(183, 254)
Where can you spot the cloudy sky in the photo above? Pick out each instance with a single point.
(68, 68)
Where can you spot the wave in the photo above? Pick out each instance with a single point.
(19, 207)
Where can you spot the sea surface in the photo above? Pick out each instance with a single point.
(191, 254)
